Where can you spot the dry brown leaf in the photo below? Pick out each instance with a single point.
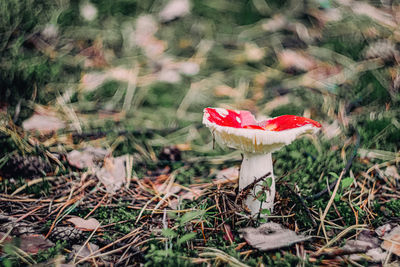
(366, 243)
(175, 9)
(94, 55)
(90, 81)
(146, 27)
(88, 11)
(323, 72)
(296, 59)
(112, 175)
(83, 252)
(43, 123)
(84, 225)
(276, 23)
(374, 13)
(169, 76)
(331, 130)
(384, 229)
(326, 15)
(392, 172)
(271, 236)
(225, 90)
(86, 158)
(253, 53)
(188, 67)
(193, 194)
(392, 241)
(33, 243)
(162, 188)
(228, 175)
(376, 254)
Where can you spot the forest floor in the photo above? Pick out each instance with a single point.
(104, 159)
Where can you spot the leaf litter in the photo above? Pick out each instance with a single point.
(240, 68)
(85, 225)
(270, 236)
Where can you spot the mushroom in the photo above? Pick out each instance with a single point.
(257, 140)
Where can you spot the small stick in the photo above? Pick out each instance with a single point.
(340, 235)
(345, 169)
(303, 204)
(95, 208)
(245, 191)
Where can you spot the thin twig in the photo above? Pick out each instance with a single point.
(345, 170)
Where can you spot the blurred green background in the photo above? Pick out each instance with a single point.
(140, 73)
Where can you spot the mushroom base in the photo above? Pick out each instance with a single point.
(255, 166)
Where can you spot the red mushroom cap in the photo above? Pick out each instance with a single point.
(244, 119)
(239, 129)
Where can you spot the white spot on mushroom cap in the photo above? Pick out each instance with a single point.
(221, 111)
(238, 120)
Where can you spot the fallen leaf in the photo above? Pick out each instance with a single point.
(358, 245)
(90, 81)
(193, 194)
(225, 90)
(43, 123)
(383, 49)
(322, 73)
(374, 13)
(253, 53)
(382, 230)
(228, 175)
(84, 225)
(169, 76)
(295, 59)
(94, 55)
(112, 175)
(175, 9)
(276, 23)
(86, 158)
(392, 240)
(88, 11)
(228, 236)
(33, 243)
(377, 254)
(82, 252)
(162, 188)
(122, 74)
(331, 130)
(188, 68)
(392, 172)
(271, 236)
(146, 27)
(369, 236)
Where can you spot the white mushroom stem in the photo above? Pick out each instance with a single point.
(255, 166)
